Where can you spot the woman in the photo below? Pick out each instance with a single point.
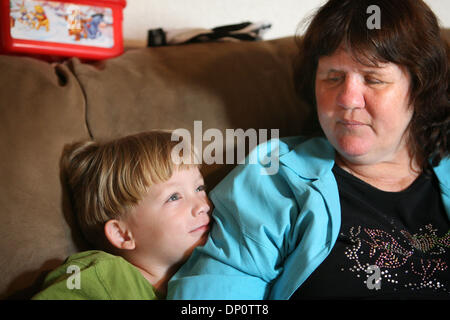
(364, 211)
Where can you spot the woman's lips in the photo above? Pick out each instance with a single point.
(351, 123)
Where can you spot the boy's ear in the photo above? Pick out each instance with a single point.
(119, 235)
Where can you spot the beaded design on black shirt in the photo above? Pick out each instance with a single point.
(418, 256)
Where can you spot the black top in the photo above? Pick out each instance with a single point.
(402, 237)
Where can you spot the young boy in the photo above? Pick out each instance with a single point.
(145, 213)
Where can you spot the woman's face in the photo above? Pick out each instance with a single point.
(363, 111)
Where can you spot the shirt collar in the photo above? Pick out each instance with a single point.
(310, 159)
(314, 157)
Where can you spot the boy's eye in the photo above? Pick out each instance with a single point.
(201, 188)
(173, 197)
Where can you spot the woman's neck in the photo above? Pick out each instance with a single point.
(392, 176)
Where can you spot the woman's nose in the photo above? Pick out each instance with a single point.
(351, 94)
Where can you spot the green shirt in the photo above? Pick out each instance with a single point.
(96, 275)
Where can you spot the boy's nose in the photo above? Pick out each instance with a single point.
(351, 95)
(202, 206)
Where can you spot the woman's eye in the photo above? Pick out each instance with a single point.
(373, 81)
(334, 79)
(174, 197)
(201, 188)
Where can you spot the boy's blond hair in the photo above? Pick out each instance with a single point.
(107, 179)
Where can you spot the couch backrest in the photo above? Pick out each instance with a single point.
(42, 107)
(225, 85)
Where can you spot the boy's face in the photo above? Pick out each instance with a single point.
(172, 219)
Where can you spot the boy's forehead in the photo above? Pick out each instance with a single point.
(180, 176)
(187, 173)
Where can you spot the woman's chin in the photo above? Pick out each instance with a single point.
(353, 147)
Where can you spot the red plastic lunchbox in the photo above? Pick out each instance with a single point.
(90, 29)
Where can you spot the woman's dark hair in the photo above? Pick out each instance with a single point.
(409, 36)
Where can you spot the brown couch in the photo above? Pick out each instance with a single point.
(44, 106)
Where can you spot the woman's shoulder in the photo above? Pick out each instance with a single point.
(306, 156)
(281, 145)
(273, 168)
(443, 172)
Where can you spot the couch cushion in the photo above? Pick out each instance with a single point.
(42, 108)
